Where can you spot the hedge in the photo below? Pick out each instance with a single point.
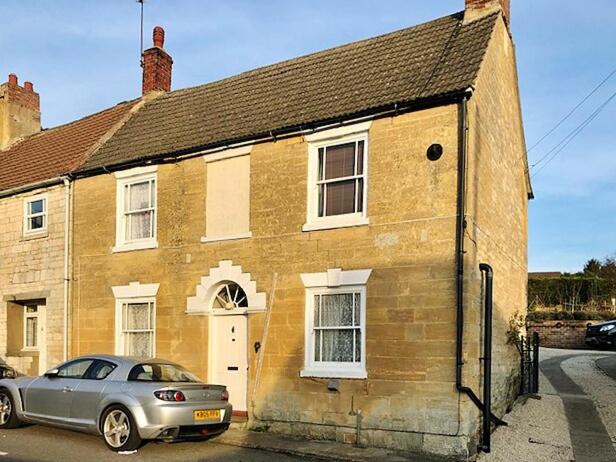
(562, 315)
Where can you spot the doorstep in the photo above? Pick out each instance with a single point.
(318, 449)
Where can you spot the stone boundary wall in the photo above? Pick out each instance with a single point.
(560, 334)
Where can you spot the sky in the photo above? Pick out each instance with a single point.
(83, 56)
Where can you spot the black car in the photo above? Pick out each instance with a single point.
(602, 334)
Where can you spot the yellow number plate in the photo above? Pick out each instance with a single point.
(210, 414)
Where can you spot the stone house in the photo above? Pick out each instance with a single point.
(310, 233)
(35, 197)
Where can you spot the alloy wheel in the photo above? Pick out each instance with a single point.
(116, 428)
(5, 408)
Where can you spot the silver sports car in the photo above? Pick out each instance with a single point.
(124, 399)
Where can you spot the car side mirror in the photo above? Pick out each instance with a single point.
(52, 373)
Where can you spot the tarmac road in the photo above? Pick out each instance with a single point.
(39, 443)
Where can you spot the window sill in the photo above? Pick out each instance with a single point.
(34, 235)
(334, 374)
(337, 223)
(28, 351)
(149, 244)
(231, 237)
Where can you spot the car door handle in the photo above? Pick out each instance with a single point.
(66, 389)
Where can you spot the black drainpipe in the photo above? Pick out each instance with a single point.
(460, 228)
(487, 355)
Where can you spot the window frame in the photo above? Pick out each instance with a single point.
(27, 316)
(331, 138)
(334, 369)
(120, 332)
(27, 216)
(124, 180)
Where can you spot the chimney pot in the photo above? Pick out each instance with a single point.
(28, 86)
(13, 79)
(158, 36)
(476, 8)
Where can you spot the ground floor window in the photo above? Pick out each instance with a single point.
(335, 337)
(31, 323)
(138, 329)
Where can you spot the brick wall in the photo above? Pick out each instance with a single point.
(560, 334)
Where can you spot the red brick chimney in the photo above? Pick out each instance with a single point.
(156, 65)
(20, 111)
(476, 8)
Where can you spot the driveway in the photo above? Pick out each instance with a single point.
(37, 443)
(575, 417)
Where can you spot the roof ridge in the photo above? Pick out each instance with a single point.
(139, 103)
(458, 16)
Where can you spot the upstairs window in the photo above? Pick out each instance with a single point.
(340, 180)
(337, 178)
(227, 200)
(139, 210)
(35, 215)
(136, 209)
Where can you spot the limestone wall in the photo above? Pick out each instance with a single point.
(32, 268)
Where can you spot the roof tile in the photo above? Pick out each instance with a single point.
(428, 60)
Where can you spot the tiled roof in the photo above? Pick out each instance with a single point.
(58, 150)
(425, 61)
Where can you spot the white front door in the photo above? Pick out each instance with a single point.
(229, 355)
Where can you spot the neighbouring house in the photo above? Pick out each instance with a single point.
(309, 233)
(35, 197)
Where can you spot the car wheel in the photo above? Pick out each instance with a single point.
(8, 416)
(119, 430)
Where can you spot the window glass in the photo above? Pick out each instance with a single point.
(100, 370)
(36, 215)
(139, 210)
(337, 326)
(138, 329)
(161, 373)
(36, 206)
(340, 181)
(75, 369)
(31, 326)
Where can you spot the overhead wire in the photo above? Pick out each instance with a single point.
(552, 153)
(561, 121)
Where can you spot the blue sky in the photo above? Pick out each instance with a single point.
(83, 56)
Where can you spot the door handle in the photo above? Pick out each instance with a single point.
(233, 368)
(66, 389)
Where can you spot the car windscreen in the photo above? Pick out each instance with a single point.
(159, 372)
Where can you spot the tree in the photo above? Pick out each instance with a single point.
(593, 267)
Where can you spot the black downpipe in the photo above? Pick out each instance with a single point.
(487, 356)
(460, 229)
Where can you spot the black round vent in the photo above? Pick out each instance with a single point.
(435, 152)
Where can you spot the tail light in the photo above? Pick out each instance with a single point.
(170, 395)
(225, 395)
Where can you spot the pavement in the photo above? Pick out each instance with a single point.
(574, 417)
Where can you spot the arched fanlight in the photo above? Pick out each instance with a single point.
(230, 296)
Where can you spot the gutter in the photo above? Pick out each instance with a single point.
(388, 110)
(29, 187)
(460, 229)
